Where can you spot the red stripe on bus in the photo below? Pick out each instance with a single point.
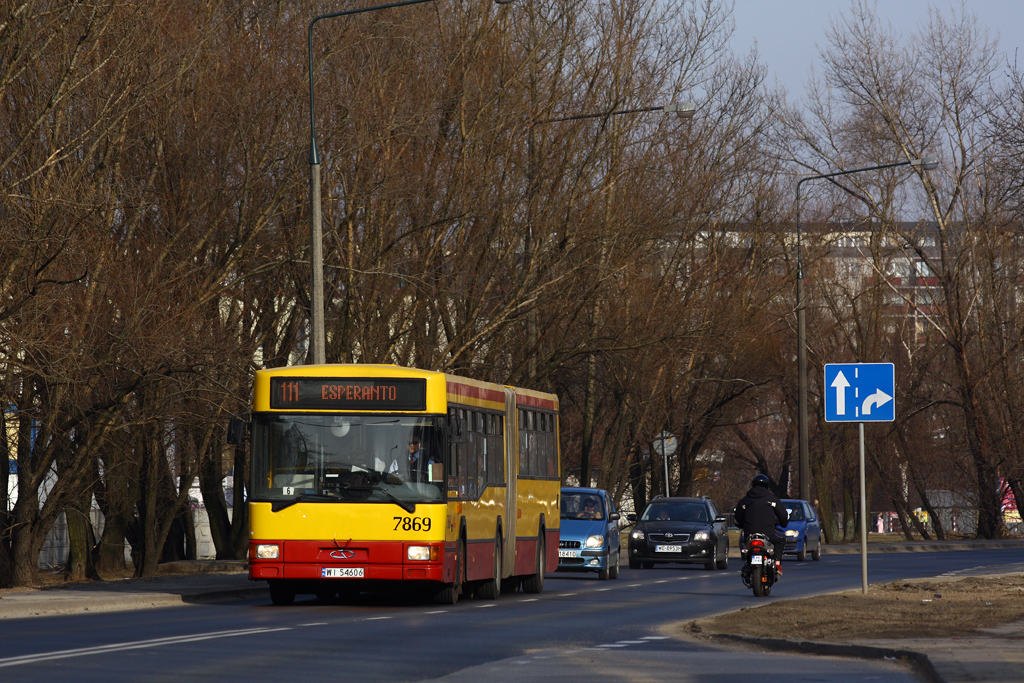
(536, 402)
(480, 393)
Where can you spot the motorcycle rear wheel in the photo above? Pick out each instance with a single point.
(756, 581)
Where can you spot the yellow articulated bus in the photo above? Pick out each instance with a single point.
(364, 476)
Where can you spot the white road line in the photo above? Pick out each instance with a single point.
(136, 645)
(601, 590)
(438, 611)
(315, 623)
(376, 618)
(634, 585)
(531, 599)
(612, 645)
(567, 595)
(482, 606)
(632, 642)
(662, 581)
(655, 637)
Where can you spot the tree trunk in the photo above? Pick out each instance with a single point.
(589, 410)
(637, 480)
(108, 554)
(81, 540)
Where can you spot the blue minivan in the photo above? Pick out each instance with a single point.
(803, 533)
(589, 536)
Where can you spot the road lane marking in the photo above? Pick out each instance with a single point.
(482, 606)
(632, 642)
(655, 637)
(315, 623)
(662, 581)
(567, 595)
(531, 599)
(601, 590)
(634, 585)
(439, 611)
(612, 645)
(135, 645)
(376, 618)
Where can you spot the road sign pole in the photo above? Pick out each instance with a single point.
(863, 517)
(665, 457)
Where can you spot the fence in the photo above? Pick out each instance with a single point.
(55, 549)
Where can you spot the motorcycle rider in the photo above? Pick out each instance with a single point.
(759, 512)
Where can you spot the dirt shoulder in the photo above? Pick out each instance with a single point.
(918, 608)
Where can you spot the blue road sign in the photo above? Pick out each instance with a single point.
(860, 392)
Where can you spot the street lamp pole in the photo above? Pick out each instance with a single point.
(926, 164)
(318, 338)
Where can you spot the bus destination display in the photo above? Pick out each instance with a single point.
(377, 393)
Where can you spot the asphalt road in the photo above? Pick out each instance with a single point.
(579, 629)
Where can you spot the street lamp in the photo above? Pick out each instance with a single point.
(927, 164)
(683, 110)
(318, 338)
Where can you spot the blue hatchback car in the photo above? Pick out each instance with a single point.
(803, 533)
(589, 536)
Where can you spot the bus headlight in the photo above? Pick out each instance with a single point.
(421, 553)
(595, 541)
(268, 551)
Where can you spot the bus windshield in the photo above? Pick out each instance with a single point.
(347, 458)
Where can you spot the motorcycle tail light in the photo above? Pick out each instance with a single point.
(756, 544)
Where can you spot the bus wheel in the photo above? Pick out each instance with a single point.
(534, 583)
(490, 589)
(450, 592)
(281, 592)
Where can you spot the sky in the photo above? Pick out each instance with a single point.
(789, 32)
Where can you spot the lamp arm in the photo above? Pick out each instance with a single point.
(314, 154)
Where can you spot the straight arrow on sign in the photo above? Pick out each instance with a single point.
(840, 383)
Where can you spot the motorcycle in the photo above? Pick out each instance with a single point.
(759, 572)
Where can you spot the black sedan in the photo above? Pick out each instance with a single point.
(684, 530)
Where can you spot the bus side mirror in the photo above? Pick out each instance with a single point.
(236, 431)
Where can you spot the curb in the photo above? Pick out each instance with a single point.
(918, 661)
(918, 547)
(902, 547)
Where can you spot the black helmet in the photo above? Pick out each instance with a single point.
(760, 480)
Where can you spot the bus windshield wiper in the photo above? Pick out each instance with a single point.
(404, 504)
(279, 505)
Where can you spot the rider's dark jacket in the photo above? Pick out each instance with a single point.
(760, 511)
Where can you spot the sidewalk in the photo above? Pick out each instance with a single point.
(997, 656)
(181, 583)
